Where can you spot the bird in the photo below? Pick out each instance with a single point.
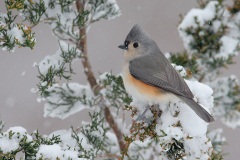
(148, 75)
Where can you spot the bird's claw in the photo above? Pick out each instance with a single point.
(143, 118)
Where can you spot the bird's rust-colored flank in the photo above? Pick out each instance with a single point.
(143, 87)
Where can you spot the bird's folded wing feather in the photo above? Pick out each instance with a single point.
(155, 70)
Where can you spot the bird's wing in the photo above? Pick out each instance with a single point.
(156, 70)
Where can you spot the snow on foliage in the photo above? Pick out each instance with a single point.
(63, 18)
(67, 99)
(113, 92)
(14, 34)
(217, 140)
(212, 34)
(179, 130)
(227, 95)
(61, 144)
(67, 149)
(66, 20)
(107, 9)
(212, 18)
(56, 61)
(180, 70)
(11, 139)
(50, 61)
(51, 152)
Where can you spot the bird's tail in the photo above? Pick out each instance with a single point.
(199, 110)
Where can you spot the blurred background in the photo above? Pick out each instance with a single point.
(19, 107)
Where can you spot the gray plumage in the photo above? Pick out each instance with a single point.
(153, 68)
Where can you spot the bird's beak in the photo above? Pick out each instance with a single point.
(122, 47)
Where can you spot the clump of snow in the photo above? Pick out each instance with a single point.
(228, 47)
(50, 61)
(107, 9)
(58, 103)
(15, 35)
(202, 92)
(217, 139)
(9, 140)
(12, 34)
(207, 15)
(114, 148)
(65, 47)
(2, 19)
(55, 61)
(167, 55)
(234, 26)
(49, 152)
(181, 70)
(226, 100)
(67, 149)
(55, 151)
(203, 15)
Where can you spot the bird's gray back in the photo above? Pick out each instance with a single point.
(154, 69)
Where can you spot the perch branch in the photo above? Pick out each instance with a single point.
(82, 45)
(115, 129)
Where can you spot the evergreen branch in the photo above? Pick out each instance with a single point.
(116, 130)
(82, 45)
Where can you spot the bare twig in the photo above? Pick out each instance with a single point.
(115, 128)
(82, 45)
(201, 78)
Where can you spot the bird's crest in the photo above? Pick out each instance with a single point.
(136, 34)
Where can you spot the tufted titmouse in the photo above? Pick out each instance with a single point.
(148, 75)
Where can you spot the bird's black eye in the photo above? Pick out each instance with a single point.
(135, 45)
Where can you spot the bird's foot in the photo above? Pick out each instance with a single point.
(143, 118)
(155, 111)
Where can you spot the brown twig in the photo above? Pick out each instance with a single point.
(115, 128)
(201, 78)
(82, 45)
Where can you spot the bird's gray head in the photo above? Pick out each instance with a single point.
(137, 44)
